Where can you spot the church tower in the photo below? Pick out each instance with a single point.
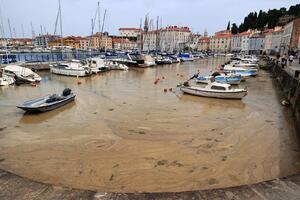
(146, 24)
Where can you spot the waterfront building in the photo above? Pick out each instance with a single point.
(245, 36)
(168, 39)
(70, 41)
(129, 32)
(203, 44)
(20, 42)
(220, 42)
(42, 41)
(84, 43)
(256, 44)
(236, 43)
(272, 40)
(120, 43)
(106, 41)
(3, 42)
(290, 37)
(195, 41)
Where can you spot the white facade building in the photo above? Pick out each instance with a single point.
(272, 41)
(129, 32)
(168, 39)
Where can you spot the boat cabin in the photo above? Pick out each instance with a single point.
(219, 86)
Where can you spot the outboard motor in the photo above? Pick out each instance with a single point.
(67, 92)
(186, 84)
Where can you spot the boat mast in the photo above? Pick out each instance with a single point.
(157, 33)
(32, 30)
(99, 26)
(22, 28)
(61, 26)
(3, 35)
(104, 16)
(9, 26)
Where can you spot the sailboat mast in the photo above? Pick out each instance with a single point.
(104, 16)
(32, 30)
(9, 26)
(22, 28)
(60, 19)
(99, 25)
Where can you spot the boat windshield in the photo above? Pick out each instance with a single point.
(218, 88)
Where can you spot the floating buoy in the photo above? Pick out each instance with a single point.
(177, 74)
(171, 89)
(156, 81)
(163, 77)
(165, 90)
(79, 82)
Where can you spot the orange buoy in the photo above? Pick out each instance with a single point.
(79, 82)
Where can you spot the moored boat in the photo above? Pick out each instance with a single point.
(228, 79)
(6, 80)
(49, 102)
(21, 74)
(70, 69)
(215, 90)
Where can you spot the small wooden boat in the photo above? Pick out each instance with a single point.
(214, 90)
(49, 102)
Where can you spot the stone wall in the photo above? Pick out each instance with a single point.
(290, 87)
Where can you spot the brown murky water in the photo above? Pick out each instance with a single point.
(124, 134)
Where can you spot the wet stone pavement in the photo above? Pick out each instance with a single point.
(13, 187)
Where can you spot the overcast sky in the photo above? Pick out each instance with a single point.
(197, 14)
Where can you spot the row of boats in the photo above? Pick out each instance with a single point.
(220, 83)
(79, 68)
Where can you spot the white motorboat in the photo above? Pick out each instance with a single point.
(112, 65)
(6, 80)
(73, 68)
(97, 65)
(231, 79)
(215, 90)
(21, 74)
(149, 61)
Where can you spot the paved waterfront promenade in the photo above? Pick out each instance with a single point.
(13, 187)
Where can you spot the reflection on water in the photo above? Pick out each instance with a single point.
(36, 118)
(125, 134)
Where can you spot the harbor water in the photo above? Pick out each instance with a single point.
(126, 134)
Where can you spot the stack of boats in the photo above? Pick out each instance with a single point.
(219, 84)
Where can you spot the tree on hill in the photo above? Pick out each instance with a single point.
(270, 18)
(234, 29)
(228, 26)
